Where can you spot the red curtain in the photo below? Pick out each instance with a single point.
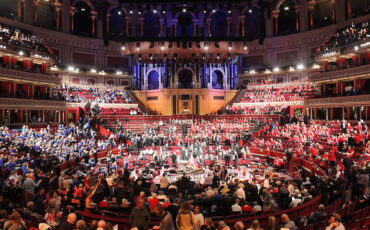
(355, 60)
(43, 67)
(14, 61)
(325, 65)
(7, 60)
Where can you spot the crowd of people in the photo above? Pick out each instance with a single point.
(147, 179)
(346, 36)
(92, 95)
(271, 100)
(24, 39)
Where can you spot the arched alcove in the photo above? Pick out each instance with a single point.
(185, 25)
(116, 23)
(46, 15)
(219, 24)
(287, 19)
(152, 26)
(253, 25)
(8, 8)
(153, 80)
(217, 80)
(82, 19)
(185, 79)
(322, 13)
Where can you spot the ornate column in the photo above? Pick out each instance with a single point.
(141, 27)
(28, 7)
(209, 21)
(174, 27)
(333, 11)
(349, 8)
(93, 15)
(241, 28)
(341, 10)
(195, 27)
(19, 9)
(66, 17)
(128, 25)
(229, 20)
(311, 6)
(58, 9)
(35, 4)
(161, 22)
(297, 12)
(72, 11)
(107, 22)
(275, 15)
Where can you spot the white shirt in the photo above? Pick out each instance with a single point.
(240, 193)
(236, 208)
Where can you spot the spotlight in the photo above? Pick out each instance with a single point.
(230, 45)
(286, 8)
(139, 12)
(268, 71)
(276, 69)
(93, 70)
(119, 73)
(291, 68)
(138, 45)
(229, 11)
(356, 48)
(252, 71)
(162, 46)
(184, 10)
(214, 11)
(250, 11)
(155, 11)
(315, 66)
(163, 12)
(131, 12)
(21, 53)
(123, 47)
(205, 11)
(300, 66)
(70, 68)
(119, 12)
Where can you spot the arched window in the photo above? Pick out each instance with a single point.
(217, 80)
(82, 20)
(46, 15)
(116, 23)
(254, 23)
(287, 19)
(8, 8)
(153, 80)
(185, 25)
(357, 7)
(152, 26)
(219, 24)
(322, 13)
(185, 79)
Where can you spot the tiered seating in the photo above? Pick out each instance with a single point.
(272, 98)
(92, 95)
(345, 36)
(24, 39)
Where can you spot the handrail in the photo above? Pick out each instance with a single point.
(29, 76)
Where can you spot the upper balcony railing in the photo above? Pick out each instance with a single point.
(28, 76)
(340, 74)
(335, 101)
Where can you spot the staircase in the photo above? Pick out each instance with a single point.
(236, 99)
(141, 106)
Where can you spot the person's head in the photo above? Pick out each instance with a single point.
(102, 224)
(272, 221)
(140, 203)
(72, 218)
(255, 225)
(285, 218)
(335, 219)
(196, 209)
(80, 225)
(185, 205)
(158, 210)
(221, 225)
(15, 216)
(321, 207)
(239, 225)
(209, 222)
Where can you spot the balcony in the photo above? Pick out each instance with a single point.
(341, 74)
(28, 76)
(348, 101)
(14, 103)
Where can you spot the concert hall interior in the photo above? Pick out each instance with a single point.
(184, 114)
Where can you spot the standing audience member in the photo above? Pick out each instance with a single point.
(140, 216)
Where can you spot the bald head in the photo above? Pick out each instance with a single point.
(72, 218)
